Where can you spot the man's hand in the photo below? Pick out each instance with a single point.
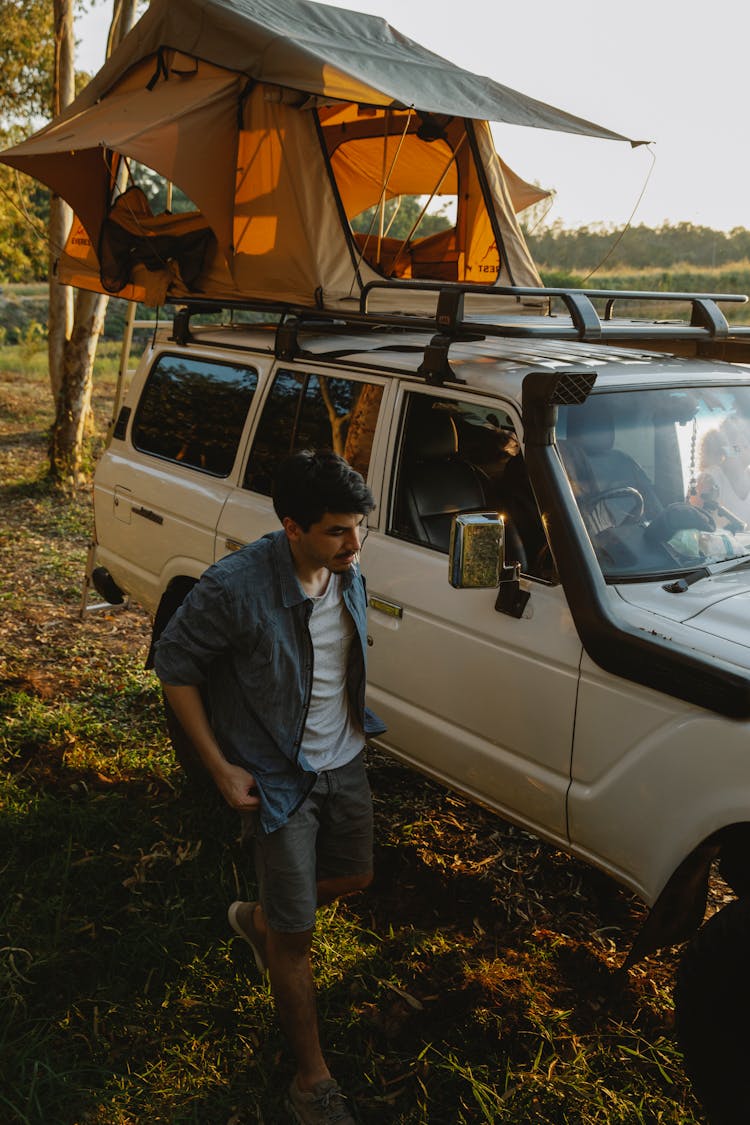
(237, 787)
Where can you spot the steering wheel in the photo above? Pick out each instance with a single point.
(619, 492)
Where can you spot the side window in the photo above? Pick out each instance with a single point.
(194, 411)
(306, 411)
(457, 457)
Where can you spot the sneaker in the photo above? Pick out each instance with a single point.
(325, 1105)
(241, 915)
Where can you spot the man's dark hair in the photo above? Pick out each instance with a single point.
(312, 482)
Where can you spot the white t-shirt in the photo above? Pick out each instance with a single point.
(331, 737)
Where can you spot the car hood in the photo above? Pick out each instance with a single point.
(717, 606)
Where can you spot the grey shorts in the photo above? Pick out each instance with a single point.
(329, 836)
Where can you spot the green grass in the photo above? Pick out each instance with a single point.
(475, 982)
(677, 279)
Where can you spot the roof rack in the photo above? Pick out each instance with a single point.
(706, 317)
(708, 333)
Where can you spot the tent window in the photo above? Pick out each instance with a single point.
(194, 412)
(161, 195)
(408, 223)
(313, 412)
(410, 188)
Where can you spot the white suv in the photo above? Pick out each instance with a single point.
(601, 698)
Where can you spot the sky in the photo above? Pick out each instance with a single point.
(673, 72)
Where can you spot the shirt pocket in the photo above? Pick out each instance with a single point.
(262, 652)
(254, 648)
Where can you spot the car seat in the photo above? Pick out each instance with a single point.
(436, 484)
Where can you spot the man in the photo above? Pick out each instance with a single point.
(275, 634)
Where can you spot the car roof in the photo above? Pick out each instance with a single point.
(486, 364)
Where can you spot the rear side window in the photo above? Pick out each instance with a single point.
(313, 412)
(193, 411)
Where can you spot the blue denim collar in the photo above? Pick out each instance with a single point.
(291, 589)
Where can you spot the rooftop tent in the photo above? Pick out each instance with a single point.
(295, 129)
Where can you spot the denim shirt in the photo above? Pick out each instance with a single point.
(242, 631)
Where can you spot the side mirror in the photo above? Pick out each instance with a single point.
(476, 555)
(476, 558)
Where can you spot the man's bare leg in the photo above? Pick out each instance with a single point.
(328, 890)
(290, 970)
(331, 889)
(294, 992)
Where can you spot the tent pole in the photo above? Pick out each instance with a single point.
(433, 193)
(122, 373)
(381, 217)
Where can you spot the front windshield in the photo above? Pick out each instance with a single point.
(661, 477)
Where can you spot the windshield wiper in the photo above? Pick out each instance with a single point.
(685, 581)
(680, 585)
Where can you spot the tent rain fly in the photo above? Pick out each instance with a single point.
(295, 129)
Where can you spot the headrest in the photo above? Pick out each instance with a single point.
(432, 434)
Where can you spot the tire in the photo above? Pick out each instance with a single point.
(712, 1003)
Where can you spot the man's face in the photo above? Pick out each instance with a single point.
(332, 543)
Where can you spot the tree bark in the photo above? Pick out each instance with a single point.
(74, 396)
(73, 340)
(361, 432)
(123, 18)
(60, 319)
(60, 314)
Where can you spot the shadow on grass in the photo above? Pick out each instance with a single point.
(127, 998)
(122, 997)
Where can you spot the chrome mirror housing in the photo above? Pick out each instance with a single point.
(476, 555)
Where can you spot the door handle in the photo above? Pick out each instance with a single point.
(391, 609)
(148, 515)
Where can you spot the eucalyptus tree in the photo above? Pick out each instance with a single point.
(74, 323)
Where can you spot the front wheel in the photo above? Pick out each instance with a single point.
(712, 1004)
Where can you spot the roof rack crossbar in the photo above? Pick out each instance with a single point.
(522, 291)
(449, 324)
(706, 319)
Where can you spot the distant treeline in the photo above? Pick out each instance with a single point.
(640, 248)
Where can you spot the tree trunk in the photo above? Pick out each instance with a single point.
(60, 320)
(361, 433)
(73, 401)
(123, 18)
(60, 314)
(74, 344)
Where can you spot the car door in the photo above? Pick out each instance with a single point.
(477, 698)
(162, 483)
(305, 408)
